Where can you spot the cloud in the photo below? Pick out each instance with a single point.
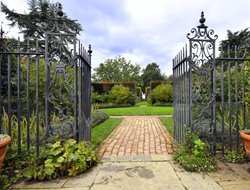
(146, 31)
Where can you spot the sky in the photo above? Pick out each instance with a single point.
(144, 31)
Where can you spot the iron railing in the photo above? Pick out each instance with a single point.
(42, 89)
(209, 93)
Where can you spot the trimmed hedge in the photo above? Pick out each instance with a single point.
(147, 92)
(154, 83)
(110, 105)
(139, 92)
(105, 87)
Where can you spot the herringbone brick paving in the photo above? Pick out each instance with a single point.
(138, 135)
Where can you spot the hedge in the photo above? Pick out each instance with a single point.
(104, 87)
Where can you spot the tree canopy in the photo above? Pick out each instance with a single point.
(40, 12)
(239, 39)
(117, 70)
(151, 72)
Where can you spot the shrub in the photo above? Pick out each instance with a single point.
(58, 159)
(105, 87)
(111, 105)
(193, 154)
(99, 98)
(121, 95)
(154, 83)
(162, 94)
(132, 99)
(98, 117)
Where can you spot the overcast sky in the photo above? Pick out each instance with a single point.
(145, 31)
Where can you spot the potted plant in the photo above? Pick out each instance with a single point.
(245, 135)
(4, 141)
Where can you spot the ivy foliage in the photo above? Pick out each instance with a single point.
(69, 158)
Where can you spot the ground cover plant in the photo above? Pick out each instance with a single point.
(15, 162)
(193, 154)
(55, 160)
(147, 110)
(61, 158)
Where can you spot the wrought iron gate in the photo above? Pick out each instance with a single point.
(45, 91)
(200, 92)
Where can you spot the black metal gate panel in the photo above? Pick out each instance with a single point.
(209, 92)
(45, 91)
(194, 84)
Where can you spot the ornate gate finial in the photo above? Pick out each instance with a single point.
(202, 20)
(59, 10)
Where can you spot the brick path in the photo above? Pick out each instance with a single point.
(138, 135)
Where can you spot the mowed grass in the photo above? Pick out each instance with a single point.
(102, 131)
(168, 122)
(147, 110)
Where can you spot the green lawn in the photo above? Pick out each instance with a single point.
(147, 110)
(102, 131)
(143, 103)
(168, 122)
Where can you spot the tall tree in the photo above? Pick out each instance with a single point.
(151, 72)
(40, 12)
(117, 70)
(239, 39)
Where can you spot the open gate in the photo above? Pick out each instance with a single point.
(45, 91)
(208, 99)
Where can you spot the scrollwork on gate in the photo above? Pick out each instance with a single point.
(62, 71)
(202, 65)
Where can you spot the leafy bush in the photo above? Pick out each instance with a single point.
(154, 83)
(193, 156)
(121, 95)
(64, 129)
(162, 94)
(132, 99)
(99, 98)
(98, 117)
(58, 159)
(110, 105)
